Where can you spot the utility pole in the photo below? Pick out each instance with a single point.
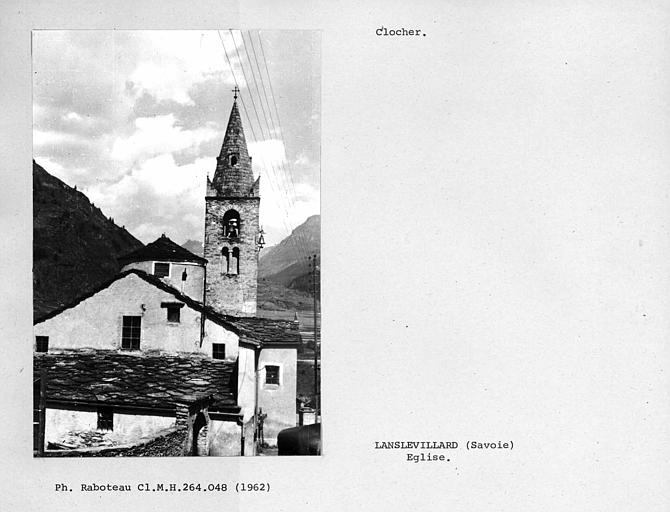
(316, 343)
(41, 407)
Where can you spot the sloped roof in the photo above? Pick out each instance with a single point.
(252, 330)
(161, 249)
(268, 331)
(142, 379)
(234, 179)
(153, 280)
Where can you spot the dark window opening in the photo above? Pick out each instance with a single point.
(42, 343)
(231, 224)
(130, 334)
(272, 375)
(225, 260)
(233, 159)
(172, 310)
(218, 350)
(162, 269)
(173, 313)
(105, 418)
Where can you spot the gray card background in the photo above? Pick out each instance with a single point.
(495, 258)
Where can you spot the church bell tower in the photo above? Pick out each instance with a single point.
(232, 202)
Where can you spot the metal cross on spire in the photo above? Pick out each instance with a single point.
(235, 91)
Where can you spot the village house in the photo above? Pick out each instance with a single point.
(170, 349)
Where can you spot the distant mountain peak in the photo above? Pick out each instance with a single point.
(194, 246)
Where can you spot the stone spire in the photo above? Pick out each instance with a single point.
(233, 176)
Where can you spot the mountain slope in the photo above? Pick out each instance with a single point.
(286, 263)
(194, 246)
(74, 245)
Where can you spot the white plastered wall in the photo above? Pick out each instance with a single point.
(278, 401)
(97, 321)
(246, 385)
(195, 275)
(127, 428)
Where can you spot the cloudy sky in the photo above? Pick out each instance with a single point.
(135, 119)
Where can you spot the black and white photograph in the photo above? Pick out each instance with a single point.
(309, 255)
(176, 242)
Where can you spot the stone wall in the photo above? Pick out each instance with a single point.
(169, 444)
(233, 294)
(225, 439)
(64, 426)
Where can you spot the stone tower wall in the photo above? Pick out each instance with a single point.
(232, 294)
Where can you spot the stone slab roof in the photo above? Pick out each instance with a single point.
(146, 380)
(233, 179)
(162, 249)
(268, 331)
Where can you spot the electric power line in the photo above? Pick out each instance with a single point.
(287, 193)
(276, 186)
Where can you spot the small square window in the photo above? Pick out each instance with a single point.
(272, 375)
(105, 418)
(219, 350)
(173, 313)
(162, 269)
(42, 343)
(172, 310)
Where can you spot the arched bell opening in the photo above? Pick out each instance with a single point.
(231, 224)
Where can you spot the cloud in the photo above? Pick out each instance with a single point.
(267, 154)
(135, 119)
(285, 203)
(158, 196)
(156, 135)
(280, 215)
(71, 156)
(167, 179)
(305, 192)
(302, 160)
(73, 116)
(178, 63)
(51, 137)
(52, 167)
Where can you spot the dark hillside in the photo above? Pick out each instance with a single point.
(74, 245)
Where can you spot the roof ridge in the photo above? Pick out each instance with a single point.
(250, 328)
(163, 248)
